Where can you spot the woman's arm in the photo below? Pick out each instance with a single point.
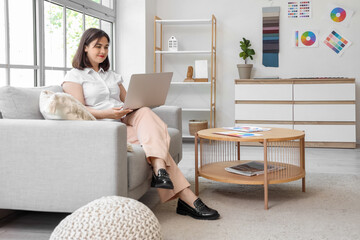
(122, 93)
(76, 91)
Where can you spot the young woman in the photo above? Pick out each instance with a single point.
(102, 92)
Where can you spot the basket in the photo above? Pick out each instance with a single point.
(197, 125)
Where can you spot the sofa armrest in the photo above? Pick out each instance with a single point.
(171, 115)
(60, 165)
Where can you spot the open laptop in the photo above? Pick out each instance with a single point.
(147, 90)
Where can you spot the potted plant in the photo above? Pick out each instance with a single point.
(245, 69)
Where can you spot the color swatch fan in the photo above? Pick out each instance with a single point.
(307, 38)
(339, 15)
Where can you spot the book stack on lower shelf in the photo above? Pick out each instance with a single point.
(252, 168)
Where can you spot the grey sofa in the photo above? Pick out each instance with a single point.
(59, 166)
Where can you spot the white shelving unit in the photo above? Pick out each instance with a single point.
(189, 88)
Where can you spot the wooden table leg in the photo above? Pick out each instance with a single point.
(196, 166)
(266, 192)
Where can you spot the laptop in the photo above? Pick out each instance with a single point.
(147, 90)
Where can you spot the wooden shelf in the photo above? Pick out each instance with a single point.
(183, 52)
(188, 137)
(191, 83)
(196, 110)
(182, 22)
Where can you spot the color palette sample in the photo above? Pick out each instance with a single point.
(305, 9)
(339, 15)
(300, 9)
(293, 9)
(337, 42)
(271, 20)
(306, 38)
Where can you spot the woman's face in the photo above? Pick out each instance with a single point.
(97, 51)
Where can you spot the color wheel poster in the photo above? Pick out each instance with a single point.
(306, 38)
(337, 42)
(339, 15)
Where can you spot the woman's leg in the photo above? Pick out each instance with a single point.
(146, 127)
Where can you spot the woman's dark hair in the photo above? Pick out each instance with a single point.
(81, 60)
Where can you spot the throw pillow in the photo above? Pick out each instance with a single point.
(62, 106)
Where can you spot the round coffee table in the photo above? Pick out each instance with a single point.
(283, 148)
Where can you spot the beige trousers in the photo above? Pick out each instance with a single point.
(146, 128)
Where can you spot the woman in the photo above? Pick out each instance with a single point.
(102, 92)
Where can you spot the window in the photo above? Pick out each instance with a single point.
(60, 44)
(17, 61)
(52, 33)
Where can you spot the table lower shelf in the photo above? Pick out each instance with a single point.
(216, 171)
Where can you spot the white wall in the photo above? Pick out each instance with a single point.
(243, 18)
(130, 36)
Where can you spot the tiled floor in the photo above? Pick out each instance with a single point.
(39, 225)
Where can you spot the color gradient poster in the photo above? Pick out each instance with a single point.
(337, 42)
(306, 38)
(339, 15)
(271, 21)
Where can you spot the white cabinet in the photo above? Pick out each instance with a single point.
(197, 99)
(324, 108)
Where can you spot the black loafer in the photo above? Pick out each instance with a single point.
(162, 180)
(201, 211)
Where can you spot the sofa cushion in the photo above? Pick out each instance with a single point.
(138, 168)
(62, 106)
(22, 103)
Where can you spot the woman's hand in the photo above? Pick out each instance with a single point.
(115, 113)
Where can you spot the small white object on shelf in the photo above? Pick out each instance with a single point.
(172, 44)
(201, 69)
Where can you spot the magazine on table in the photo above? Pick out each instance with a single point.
(248, 129)
(238, 134)
(252, 168)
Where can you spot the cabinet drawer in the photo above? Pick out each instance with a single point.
(323, 92)
(324, 112)
(328, 133)
(263, 92)
(279, 112)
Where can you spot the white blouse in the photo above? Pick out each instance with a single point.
(101, 89)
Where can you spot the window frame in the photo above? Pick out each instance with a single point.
(86, 7)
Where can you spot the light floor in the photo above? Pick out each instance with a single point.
(39, 225)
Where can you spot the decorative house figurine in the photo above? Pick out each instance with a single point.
(172, 44)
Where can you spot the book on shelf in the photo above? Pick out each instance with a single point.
(248, 129)
(238, 134)
(252, 168)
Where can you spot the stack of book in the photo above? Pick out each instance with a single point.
(252, 168)
(243, 131)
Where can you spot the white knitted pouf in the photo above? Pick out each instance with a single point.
(109, 218)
